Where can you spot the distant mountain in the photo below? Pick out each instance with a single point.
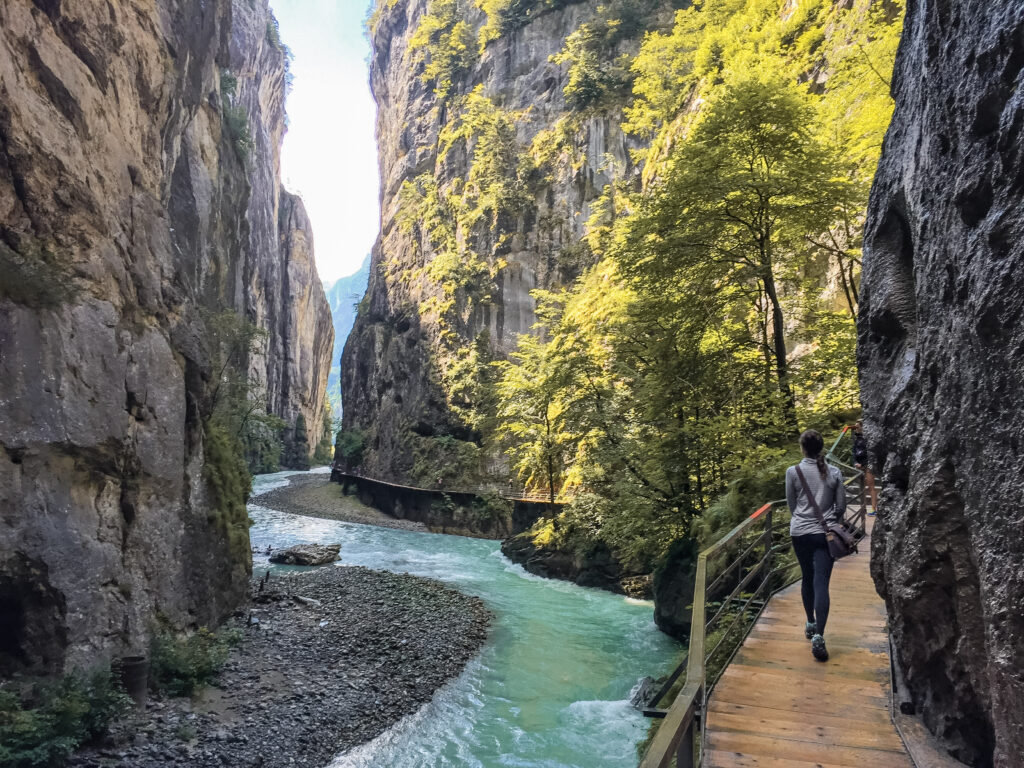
(343, 295)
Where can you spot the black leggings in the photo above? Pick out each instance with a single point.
(816, 566)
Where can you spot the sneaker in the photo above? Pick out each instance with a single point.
(818, 648)
(810, 629)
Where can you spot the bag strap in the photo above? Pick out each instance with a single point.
(814, 501)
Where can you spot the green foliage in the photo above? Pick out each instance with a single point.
(179, 665)
(228, 85)
(44, 728)
(350, 445)
(599, 77)
(465, 226)
(741, 199)
(595, 79)
(664, 387)
(263, 442)
(237, 426)
(504, 16)
(454, 461)
(33, 274)
(324, 452)
(470, 385)
(236, 119)
(444, 42)
(534, 417)
(227, 476)
(298, 457)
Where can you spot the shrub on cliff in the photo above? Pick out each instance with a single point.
(324, 449)
(43, 727)
(227, 476)
(35, 276)
(350, 446)
(445, 43)
(180, 665)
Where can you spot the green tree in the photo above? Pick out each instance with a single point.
(298, 454)
(741, 197)
(533, 417)
(445, 43)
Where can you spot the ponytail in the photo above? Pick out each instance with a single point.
(813, 445)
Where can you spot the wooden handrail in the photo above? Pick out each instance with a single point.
(681, 733)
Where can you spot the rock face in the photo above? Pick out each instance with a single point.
(394, 361)
(673, 589)
(307, 554)
(595, 567)
(941, 353)
(139, 194)
(344, 295)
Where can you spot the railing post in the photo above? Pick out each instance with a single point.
(685, 755)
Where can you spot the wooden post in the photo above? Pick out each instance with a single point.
(685, 756)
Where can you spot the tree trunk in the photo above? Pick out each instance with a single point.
(781, 365)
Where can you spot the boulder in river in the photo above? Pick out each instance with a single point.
(307, 554)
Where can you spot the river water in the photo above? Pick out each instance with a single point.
(550, 688)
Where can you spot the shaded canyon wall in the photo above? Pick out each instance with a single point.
(941, 353)
(131, 208)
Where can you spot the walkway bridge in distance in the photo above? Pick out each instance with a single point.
(511, 492)
(750, 695)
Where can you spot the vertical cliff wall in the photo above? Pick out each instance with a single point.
(941, 360)
(421, 315)
(344, 296)
(139, 194)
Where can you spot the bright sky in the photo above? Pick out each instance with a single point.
(330, 154)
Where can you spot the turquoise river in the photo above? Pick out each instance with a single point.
(550, 688)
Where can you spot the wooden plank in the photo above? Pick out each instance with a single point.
(791, 667)
(870, 718)
(797, 699)
(719, 759)
(770, 746)
(848, 734)
(782, 677)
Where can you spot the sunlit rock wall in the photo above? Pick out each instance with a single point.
(390, 370)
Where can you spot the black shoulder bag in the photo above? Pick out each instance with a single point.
(840, 541)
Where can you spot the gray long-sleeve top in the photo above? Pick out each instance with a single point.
(830, 493)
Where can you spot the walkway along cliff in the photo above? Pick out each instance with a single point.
(941, 366)
(139, 197)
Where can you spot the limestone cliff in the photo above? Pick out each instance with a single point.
(421, 317)
(940, 339)
(139, 194)
(344, 296)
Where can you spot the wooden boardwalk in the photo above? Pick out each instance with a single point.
(775, 706)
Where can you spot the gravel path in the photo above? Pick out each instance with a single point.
(317, 496)
(314, 678)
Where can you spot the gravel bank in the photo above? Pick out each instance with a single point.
(317, 496)
(315, 678)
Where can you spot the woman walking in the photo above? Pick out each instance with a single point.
(815, 477)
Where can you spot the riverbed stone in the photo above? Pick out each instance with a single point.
(302, 693)
(307, 554)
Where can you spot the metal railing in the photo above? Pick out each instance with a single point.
(734, 589)
(513, 494)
